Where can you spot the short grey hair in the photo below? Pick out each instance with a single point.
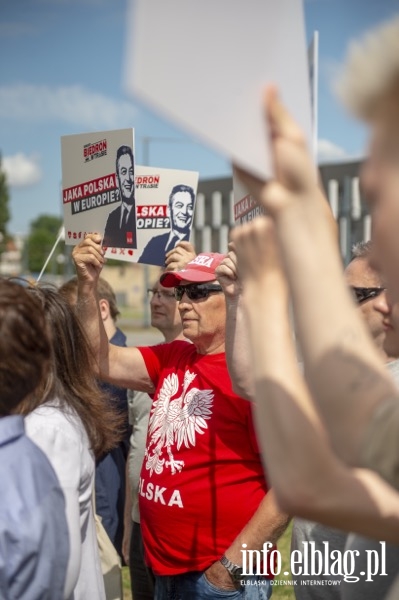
(361, 250)
(371, 71)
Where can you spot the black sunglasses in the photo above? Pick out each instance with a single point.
(366, 293)
(196, 291)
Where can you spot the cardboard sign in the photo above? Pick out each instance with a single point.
(165, 203)
(245, 207)
(98, 190)
(204, 65)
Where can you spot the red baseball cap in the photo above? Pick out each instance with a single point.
(199, 270)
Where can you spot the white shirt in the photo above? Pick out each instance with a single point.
(63, 438)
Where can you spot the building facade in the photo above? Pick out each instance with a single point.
(214, 213)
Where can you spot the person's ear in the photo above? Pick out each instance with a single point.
(104, 309)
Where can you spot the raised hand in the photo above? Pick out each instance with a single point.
(178, 257)
(88, 257)
(227, 274)
(258, 258)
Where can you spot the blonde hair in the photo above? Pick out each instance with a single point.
(361, 250)
(371, 71)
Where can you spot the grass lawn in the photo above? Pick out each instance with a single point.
(126, 584)
(283, 592)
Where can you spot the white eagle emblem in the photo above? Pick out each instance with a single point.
(175, 422)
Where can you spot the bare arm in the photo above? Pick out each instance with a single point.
(237, 342)
(269, 522)
(267, 525)
(345, 375)
(307, 477)
(121, 366)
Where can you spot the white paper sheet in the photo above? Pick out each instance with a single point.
(204, 65)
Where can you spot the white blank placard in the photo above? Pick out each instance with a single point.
(204, 65)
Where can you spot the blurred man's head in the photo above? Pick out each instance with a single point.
(370, 87)
(105, 292)
(371, 297)
(107, 299)
(69, 291)
(125, 173)
(24, 345)
(181, 208)
(164, 311)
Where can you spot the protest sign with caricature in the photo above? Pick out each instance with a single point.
(141, 212)
(165, 201)
(98, 186)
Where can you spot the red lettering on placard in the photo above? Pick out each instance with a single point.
(154, 210)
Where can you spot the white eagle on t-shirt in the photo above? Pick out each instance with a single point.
(175, 422)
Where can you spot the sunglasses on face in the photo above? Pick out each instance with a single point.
(196, 291)
(364, 293)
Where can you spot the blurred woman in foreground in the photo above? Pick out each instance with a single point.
(69, 418)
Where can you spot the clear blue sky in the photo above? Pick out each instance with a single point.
(61, 73)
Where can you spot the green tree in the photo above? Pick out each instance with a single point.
(4, 209)
(42, 236)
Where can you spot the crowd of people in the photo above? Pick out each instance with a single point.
(274, 395)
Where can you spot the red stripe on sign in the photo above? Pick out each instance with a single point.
(156, 210)
(95, 186)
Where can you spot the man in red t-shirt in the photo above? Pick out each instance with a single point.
(204, 501)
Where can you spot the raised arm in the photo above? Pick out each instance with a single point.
(121, 366)
(345, 375)
(307, 477)
(238, 354)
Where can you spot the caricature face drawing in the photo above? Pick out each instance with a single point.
(125, 174)
(181, 211)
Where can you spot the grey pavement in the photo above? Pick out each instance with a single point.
(142, 337)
